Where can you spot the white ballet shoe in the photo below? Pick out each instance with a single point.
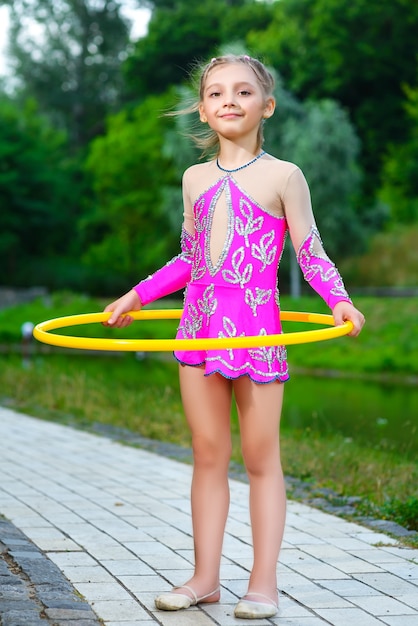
(250, 609)
(172, 601)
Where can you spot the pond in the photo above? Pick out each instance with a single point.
(379, 415)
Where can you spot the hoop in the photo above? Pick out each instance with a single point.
(41, 333)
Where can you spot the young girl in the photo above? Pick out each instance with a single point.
(238, 208)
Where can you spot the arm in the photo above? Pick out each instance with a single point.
(173, 276)
(318, 270)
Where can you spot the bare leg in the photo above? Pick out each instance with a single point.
(207, 405)
(259, 410)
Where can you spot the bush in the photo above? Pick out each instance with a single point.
(391, 261)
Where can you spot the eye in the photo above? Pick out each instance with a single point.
(244, 92)
(214, 94)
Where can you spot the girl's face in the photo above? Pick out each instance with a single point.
(233, 101)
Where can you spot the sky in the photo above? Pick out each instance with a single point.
(139, 18)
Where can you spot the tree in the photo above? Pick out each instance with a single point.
(71, 66)
(182, 33)
(400, 187)
(244, 18)
(172, 4)
(320, 139)
(178, 36)
(125, 233)
(355, 51)
(38, 195)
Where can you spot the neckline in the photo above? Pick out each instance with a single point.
(241, 167)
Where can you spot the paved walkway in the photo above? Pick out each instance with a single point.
(116, 522)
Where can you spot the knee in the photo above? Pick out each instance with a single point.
(211, 454)
(261, 459)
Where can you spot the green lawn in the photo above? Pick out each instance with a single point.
(388, 344)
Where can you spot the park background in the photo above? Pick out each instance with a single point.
(90, 202)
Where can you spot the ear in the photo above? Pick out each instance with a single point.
(202, 115)
(269, 107)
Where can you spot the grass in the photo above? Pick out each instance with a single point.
(143, 396)
(388, 344)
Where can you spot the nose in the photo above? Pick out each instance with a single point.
(229, 100)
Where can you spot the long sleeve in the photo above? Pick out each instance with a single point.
(318, 270)
(172, 277)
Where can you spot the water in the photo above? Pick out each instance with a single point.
(379, 415)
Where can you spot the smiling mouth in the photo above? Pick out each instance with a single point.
(230, 115)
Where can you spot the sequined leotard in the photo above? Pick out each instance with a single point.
(229, 265)
(237, 294)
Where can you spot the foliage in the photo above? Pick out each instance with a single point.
(178, 35)
(186, 32)
(319, 137)
(404, 513)
(38, 192)
(72, 64)
(400, 180)
(381, 265)
(344, 466)
(351, 74)
(243, 18)
(124, 230)
(355, 51)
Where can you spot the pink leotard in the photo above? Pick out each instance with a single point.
(229, 266)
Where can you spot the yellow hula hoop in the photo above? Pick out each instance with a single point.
(41, 332)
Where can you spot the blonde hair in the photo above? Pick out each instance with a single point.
(207, 139)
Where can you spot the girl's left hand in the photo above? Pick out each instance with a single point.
(343, 312)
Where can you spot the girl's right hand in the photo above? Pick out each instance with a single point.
(129, 302)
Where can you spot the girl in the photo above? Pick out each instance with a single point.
(238, 208)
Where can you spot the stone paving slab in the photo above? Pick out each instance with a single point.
(33, 590)
(114, 521)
